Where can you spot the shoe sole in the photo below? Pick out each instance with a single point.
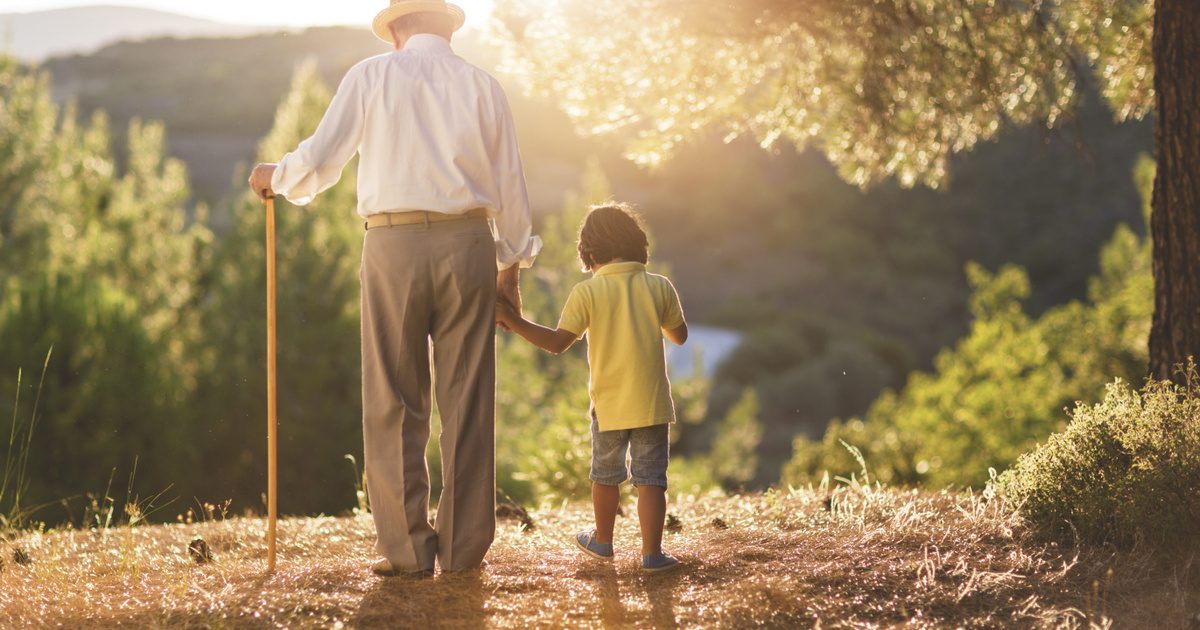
(483, 565)
(591, 553)
(405, 574)
(669, 567)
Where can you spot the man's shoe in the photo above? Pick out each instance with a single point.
(586, 541)
(659, 562)
(385, 568)
(482, 565)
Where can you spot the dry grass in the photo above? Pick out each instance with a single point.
(871, 559)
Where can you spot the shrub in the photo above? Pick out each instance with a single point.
(1125, 470)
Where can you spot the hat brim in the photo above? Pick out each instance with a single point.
(390, 14)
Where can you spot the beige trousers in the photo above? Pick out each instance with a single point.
(426, 284)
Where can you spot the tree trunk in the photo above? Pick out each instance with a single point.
(1175, 219)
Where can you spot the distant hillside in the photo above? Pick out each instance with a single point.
(42, 34)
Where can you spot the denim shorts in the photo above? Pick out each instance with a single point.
(648, 450)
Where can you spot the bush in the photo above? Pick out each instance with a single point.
(1125, 470)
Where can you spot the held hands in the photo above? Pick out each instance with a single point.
(508, 297)
(506, 315)
(508, 287)
(509, 317)
(260, 180)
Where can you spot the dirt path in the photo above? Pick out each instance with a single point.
(874, 559)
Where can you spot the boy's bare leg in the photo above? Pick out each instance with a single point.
(605, 500)
(652, 513)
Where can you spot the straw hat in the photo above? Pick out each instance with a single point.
(404, 7)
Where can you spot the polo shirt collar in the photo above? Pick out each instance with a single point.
(428, 44)
(620, 267)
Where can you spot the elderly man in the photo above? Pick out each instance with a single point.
(441, 188)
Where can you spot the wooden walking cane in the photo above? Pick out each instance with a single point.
(271, 401)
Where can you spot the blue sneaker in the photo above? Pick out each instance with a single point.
(658, 562)
(586, 541)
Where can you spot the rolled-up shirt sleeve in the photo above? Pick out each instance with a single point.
(515, 241)
(317, 164)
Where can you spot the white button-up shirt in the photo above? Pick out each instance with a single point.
(434, 133)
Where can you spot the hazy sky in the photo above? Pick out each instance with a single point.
(267, 12)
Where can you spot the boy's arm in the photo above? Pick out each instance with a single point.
(554, 341)
(674, 324)
(677, 335)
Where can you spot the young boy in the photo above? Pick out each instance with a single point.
(625, 312)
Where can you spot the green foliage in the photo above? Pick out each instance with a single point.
(773, 244)
(1125, 470)
(105, 379)
(841, 294)
(845, 292)
(888, 89)
(883, 88)
(733, 460)
(892, 457)
(998, 391)
(101, 263)
(27, 133)
(319, 383)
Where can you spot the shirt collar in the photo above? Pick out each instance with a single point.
(428, 44)
(620, 267)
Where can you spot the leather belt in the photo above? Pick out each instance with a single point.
(389, 219)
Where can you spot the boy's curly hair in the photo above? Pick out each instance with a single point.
(611, 232)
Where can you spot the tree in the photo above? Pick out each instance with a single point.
(1175, 223)
(886, 88)
(101, 263)
(320, 413)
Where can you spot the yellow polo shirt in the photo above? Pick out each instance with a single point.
(623, 310)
